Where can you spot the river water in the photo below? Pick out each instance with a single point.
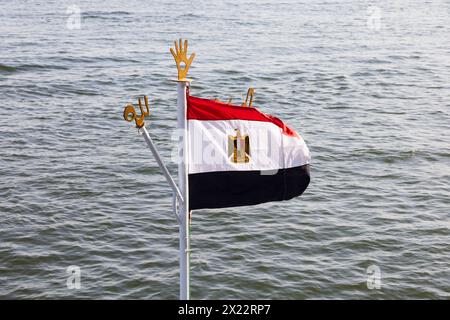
(365, 83)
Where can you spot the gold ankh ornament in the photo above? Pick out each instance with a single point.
(181, 59)
(129, 113)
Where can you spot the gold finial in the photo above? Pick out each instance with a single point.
(129, 113)
(181, 59)
(250, 93)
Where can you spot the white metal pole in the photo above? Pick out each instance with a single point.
(161, 164)
(184, 188)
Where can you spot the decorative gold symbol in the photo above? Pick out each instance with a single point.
(181, 59)
(250, 93)
(246, 103)
(129, 113)
(239, 148)
(228, 102)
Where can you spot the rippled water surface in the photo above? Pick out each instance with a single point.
(367, 87)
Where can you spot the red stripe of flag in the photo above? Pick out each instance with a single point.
(203, 109)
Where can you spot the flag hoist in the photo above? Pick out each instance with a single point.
(257, 154)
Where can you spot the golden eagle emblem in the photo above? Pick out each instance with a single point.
(239, 148)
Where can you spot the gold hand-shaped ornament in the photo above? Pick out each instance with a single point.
(181, 59)
(129, 113)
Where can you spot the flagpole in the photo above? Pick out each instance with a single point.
(183, 63)
(184, 189)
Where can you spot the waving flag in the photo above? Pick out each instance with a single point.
(240, 156)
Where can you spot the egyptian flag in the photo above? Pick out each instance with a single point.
(239, 156)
